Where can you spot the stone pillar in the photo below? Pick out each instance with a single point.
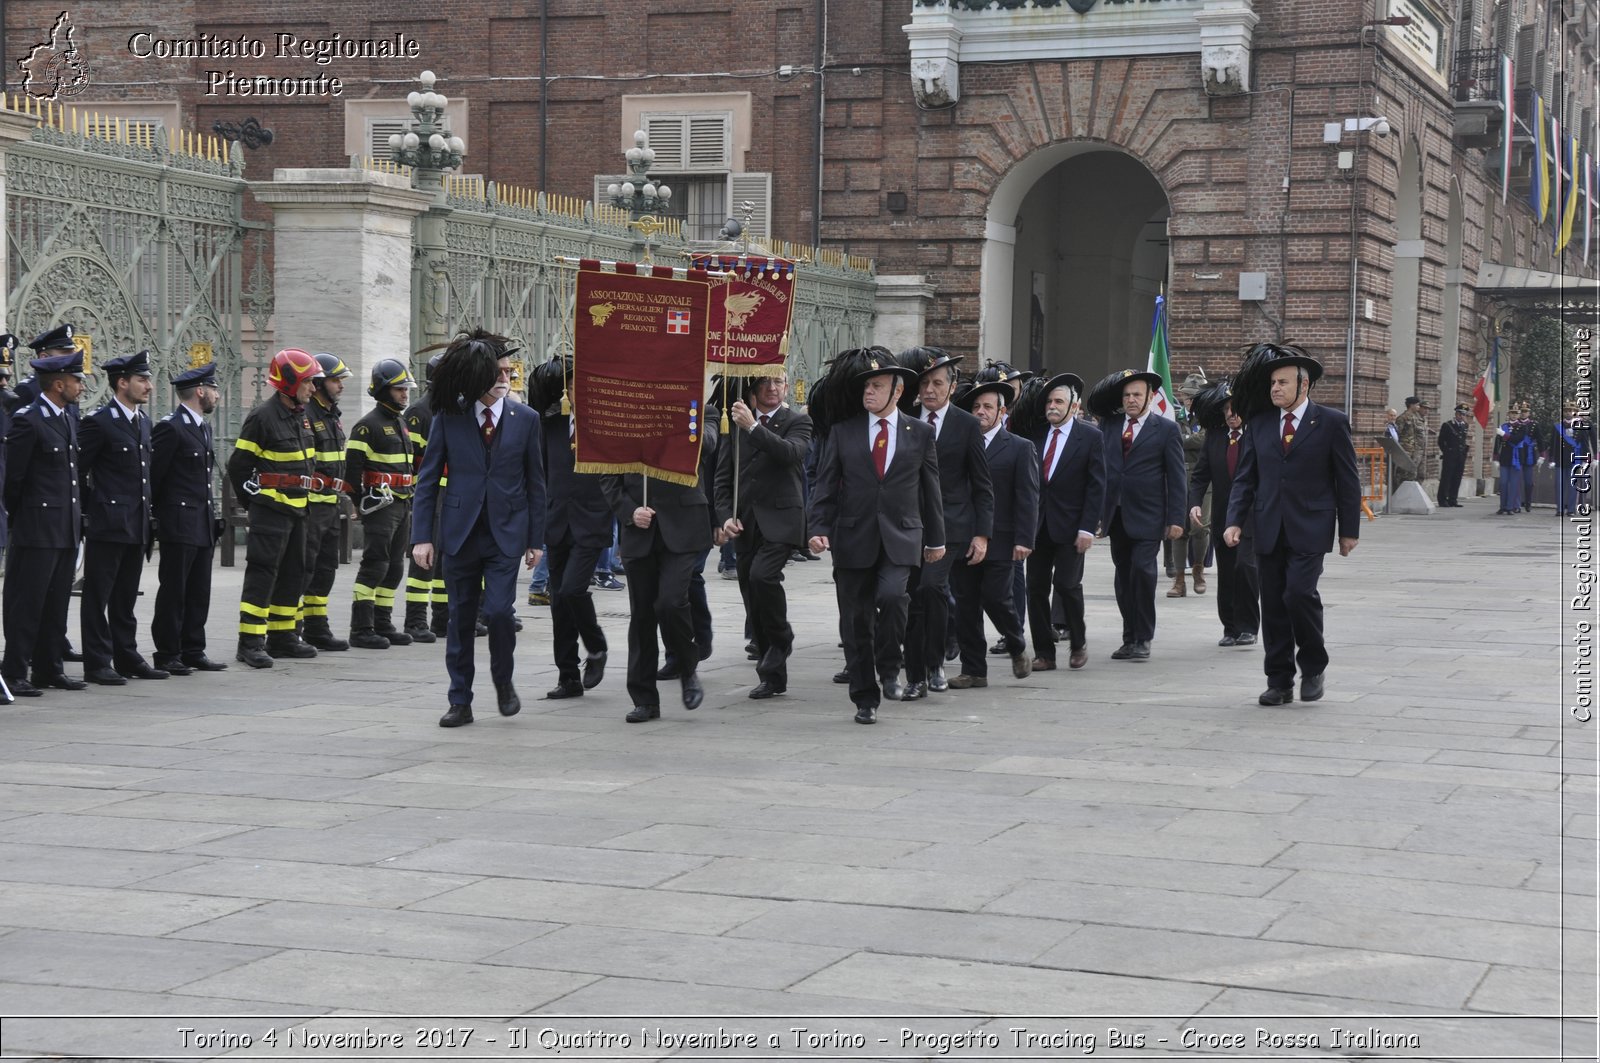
(902, 311)
(13, 127)
(996, 295)
(342, 267)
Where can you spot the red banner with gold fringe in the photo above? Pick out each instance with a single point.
(639, 370)
(752, 305)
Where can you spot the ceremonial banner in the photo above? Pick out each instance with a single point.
(639, 370)
(750, 313)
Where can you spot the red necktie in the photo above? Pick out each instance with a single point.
(1288, 431)
(488, 425)
(880, 448)
(1050, 452)
(1233, 452)
(1127, 439)
(933, 421)
(764, 420)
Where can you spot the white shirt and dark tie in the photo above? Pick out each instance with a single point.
(1055, 445)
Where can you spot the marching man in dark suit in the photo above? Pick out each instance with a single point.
(114, 464)
(968, 499)
(187, 523)
(41, 496)
(1145, 490)
(877, 506)
(767, 454)
(665, 532)
(493, 510)
(986, 587)
(1297, 484)
(1453, 447)
(1072, 491)
(578, 525)
(1238, 580)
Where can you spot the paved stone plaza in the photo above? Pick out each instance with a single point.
(1130, 847)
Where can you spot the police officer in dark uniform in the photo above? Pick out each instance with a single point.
(114, 466)
(424, 588)
(322, 503)
(41, 495)
(182, 467)
(272, 465)
(1453, 448)
(380, 464)
(9, 399)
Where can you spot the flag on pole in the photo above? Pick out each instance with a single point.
(1486, 395)
(1555, 180)
(1588, 205)
(1570, 208)
(1539, 183)
(1507, 128)
(1159, 362)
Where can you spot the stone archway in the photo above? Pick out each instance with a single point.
(1075, 252)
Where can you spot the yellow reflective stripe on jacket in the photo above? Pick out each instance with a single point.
(297, 501)
(334, 456)
(255, 448)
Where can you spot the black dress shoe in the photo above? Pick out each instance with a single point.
(952, 649)
(641, 713)
(841, 677)
(752, 650)
(173, 666)
(866, 714)
(1276, 696)
(693, 692)
(105, 677)
(62, 681)
(21, 688)
(571, 689)
(1139, 651)
(457, 716)
(1245, 638)
(937, 683)
(71, 656)
(668, 670)
(202, 663)
(999, 649)
(764, 690)
(913, 692)
(1122, 652)
(893, 689)
(1228, 640)
(144, 671)
(510, 704)
(1310, 688)
(594, 669)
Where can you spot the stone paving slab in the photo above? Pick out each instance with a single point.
(1124, 841)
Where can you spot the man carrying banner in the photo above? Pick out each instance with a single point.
(761, 503)
(877, 506)
(495, 513)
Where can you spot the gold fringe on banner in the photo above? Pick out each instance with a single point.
(607, 468)
(783, 344)
(566, 404)
(748, 370)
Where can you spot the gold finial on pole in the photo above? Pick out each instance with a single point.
(648, 226)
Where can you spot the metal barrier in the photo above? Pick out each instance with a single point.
(1373, 469)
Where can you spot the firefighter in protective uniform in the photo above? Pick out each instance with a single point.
(328, 490)
(379, 463)
(271, 471)
(424, 587)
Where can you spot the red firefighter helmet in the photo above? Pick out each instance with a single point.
(289, 368)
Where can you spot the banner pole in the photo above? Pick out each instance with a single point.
(644, 502)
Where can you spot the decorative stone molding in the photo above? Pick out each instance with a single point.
(902, 311)
(943, 35)
(1226, 27)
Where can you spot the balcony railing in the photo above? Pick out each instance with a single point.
(1475, 74)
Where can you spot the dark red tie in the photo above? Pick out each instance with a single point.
(880, 448)
(764, 420)
(1127, 439)
(1233, 452)
(933, 421)
(1288, 431)
(488, 425)
(1050, 452)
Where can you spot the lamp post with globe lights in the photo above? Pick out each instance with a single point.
(429, 153)
(639, 195)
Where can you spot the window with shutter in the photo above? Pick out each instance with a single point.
(708, 142)
(686, 142)
(754, 188)
(1505, 28)
(1524, 55)
(665, 133)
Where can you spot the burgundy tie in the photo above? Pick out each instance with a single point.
(764, 420)
(1233, 452)
(1050, 453)
(1127, 439)
(933, 421)
(488, 425)
(1288, 431)
(880, 448)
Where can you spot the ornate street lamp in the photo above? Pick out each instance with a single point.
(639, 195)
(424, 146)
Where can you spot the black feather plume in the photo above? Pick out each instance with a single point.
(1208, 403)
(1027, 412)
(545, 385)
(466, 372)
(836, 395)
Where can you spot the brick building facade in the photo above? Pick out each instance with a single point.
(1044, 185)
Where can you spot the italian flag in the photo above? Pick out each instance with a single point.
(1159, 363)
(1486, 395)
